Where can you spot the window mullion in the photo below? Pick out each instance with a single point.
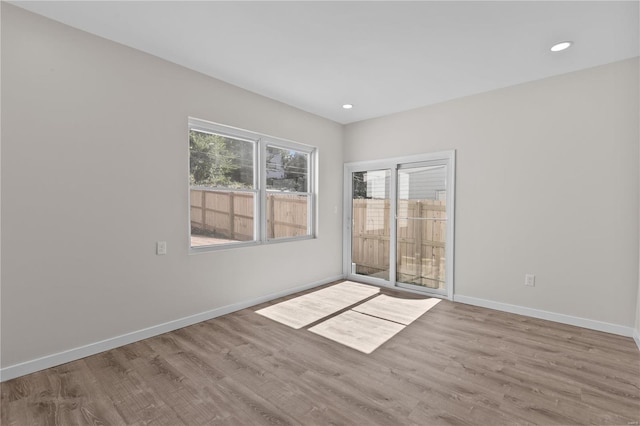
(311, 188)
(262, 190)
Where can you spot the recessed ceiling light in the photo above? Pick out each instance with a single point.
(561, 46)
(347, 106)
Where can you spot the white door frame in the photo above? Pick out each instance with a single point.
(392, 164)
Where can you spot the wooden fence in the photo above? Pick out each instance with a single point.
(421, 235)
(228, 216)
(287, 215)
(222, 216)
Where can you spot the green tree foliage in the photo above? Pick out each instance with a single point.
(218, 161)
(360, 185)
(295, 169)
(292, 164)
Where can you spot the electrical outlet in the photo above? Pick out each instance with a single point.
(161, 247)
(530, 280)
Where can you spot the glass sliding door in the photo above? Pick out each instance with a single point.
(371, 224)
(422, 226)
(399, 222)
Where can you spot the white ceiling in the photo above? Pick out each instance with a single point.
(383, 57)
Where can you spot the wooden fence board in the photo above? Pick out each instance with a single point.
(420, 239)
(228, 215)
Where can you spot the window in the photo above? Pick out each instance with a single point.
(399, 222)
(247, 188)
(288, 193)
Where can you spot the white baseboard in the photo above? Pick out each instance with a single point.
(28, 367)
(636, 337)
(551, 316)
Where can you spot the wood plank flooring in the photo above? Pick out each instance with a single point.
(457, 364)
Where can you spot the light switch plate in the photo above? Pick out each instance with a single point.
(530, 280)
(161, 247)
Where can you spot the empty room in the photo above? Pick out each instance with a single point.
(319, 212)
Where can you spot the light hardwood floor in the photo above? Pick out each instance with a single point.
(457, 364)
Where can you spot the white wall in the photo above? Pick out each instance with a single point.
(546, 183)
(95, 171)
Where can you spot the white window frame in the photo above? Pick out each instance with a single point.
(260, 142)
(294, 146)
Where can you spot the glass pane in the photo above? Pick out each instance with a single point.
(220, 217)
(287, 170)
(422, 223)
(287, 215)
(370, 232)
(220, 161)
